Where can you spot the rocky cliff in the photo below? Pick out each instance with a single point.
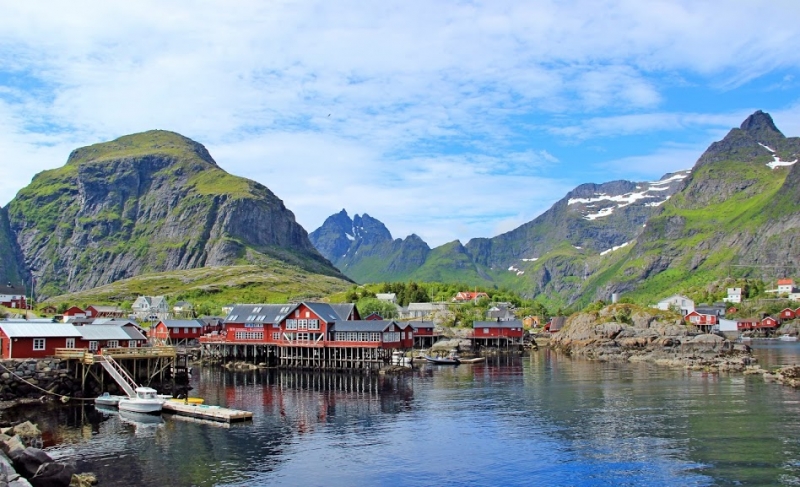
(12, 264)
(150, 202)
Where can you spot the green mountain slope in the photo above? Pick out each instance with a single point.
(150, 202)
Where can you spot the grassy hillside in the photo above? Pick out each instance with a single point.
(214, 287)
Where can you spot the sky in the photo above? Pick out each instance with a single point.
(448, 119)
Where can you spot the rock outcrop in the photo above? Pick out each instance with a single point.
(627, 332)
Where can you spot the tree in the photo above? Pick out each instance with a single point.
(367, 306)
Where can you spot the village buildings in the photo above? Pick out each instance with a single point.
(13, 296)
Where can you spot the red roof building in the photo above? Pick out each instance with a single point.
(464, 296)
(788, 314)
(26, 339)
(13, 297)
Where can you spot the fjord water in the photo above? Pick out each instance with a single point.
(539, 420)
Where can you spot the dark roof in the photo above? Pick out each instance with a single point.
(182, 323)
(497, 324)
(11, 289)
(260, 313)
(421, 324)
(134, 333)
(343, 310)
(325, 311)
(557, 323)
(364, 325)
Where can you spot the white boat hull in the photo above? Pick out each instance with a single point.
(108, 400)
(787, 338)
(140, 405)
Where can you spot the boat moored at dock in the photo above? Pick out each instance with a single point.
(144, 400)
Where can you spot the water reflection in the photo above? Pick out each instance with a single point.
(544, 419)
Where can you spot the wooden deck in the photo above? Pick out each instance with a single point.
(87, 356)
(202, 411)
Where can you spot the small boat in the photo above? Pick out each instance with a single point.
(106, 399)
(451, 359)
(787, 338)
(145, 400)
(399, 358)
(475, 360)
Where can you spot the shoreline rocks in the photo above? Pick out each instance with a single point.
(630, 333)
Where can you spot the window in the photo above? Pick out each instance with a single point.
(352, 336)
(38, 343)
(70, 343)
(233, 317)
(302, 336)
(261, 318)
(291, 324)
(391, 336)
(186, 331)
(131, 343)
(302, 324)
(308, 314)
(276, 336)
(93, 346)
(257, 309)
(363, 337)
(374, 337)
(251, 318)
(313, 324)
(249, 335)
(297, 313)
(112, 344)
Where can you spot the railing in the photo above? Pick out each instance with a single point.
(136, 352)
(119, 374)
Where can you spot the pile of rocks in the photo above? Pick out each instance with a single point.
(27, 378)
(627, 332)
(24, 464)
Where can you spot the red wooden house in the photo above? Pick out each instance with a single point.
(700, 320)
(177, 332)
(424, 334)
(788, 314)
(407, 334)
(371, 334)
(74, 312)
(26, 339)
(96, 338)
(13, 296)
(769, 322)
(346, 311)
(495, 333)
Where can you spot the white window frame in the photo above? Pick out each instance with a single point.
(70, 343)
(313, 324)
(291, 324)
(131, 343)
(302, 324)
(93, 345)
(276, 335)
(112, 344)
(39, 344)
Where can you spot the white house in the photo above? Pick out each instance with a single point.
(727, 325)
(150, 308)
(682, 303)
(422, 310)
(388, 297)
(734, 295)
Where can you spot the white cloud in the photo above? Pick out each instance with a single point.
(424, 113)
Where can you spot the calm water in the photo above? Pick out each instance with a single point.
(540, 420)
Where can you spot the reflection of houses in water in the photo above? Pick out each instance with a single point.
(304, 399)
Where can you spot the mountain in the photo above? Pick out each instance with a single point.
(12, 265)
(364, 250)
(592, 216)
(735, 213)
(739, 215)
(150, 202)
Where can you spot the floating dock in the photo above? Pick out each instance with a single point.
(202, 411)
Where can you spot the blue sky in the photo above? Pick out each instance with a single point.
(449, 119)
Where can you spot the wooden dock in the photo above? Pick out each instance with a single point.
(202, 411)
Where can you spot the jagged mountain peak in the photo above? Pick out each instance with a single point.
(152, 142)
(758, 123)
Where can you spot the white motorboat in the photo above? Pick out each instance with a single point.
(145, 400)
(787, 338)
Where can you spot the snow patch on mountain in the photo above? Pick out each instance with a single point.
(612, 249)
(610, 202)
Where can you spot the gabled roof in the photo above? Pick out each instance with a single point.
(182, 323)
(364, 325)
(497, 324)
(324, 311)
(343, 310)
(26, 329)
(134, 333)
(421, 324)
(106, 309)
(102, 332)
(425, 306)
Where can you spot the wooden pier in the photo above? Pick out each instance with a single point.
(202, 411)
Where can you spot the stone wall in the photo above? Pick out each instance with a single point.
(34, 378)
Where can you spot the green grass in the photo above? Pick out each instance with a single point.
(214, 287)
(160, 142)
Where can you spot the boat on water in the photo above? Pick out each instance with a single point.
(787, 338)
(451, 359)
(399, 358)
(108, 400)
(144, 400)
